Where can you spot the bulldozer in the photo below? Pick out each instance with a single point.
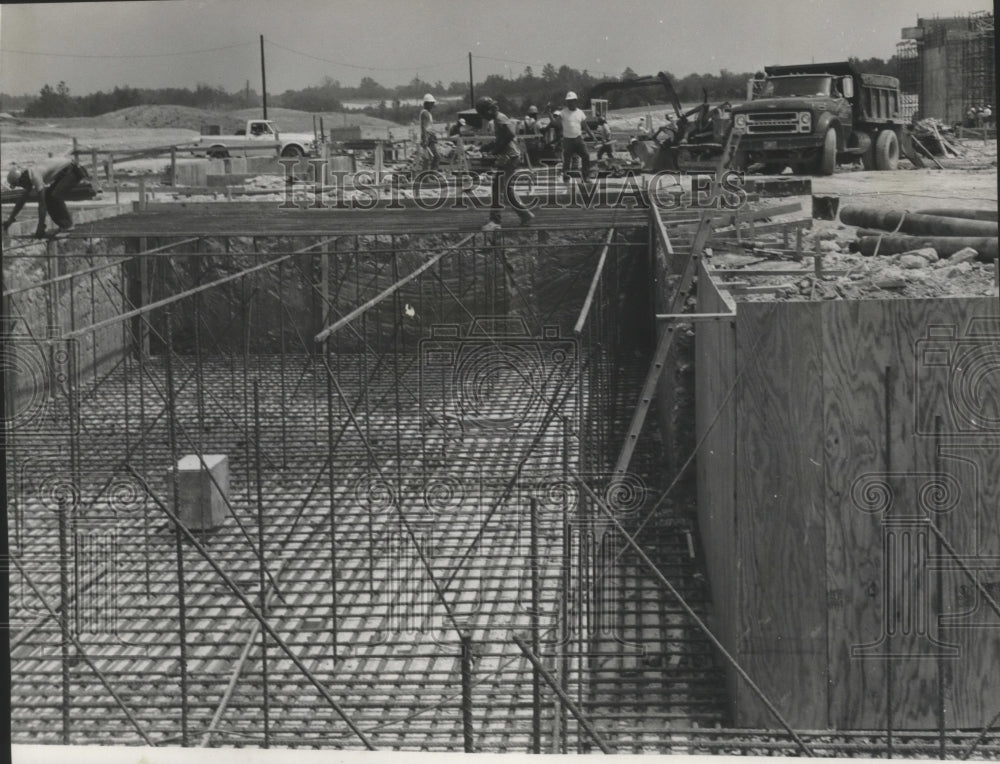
(691, 141)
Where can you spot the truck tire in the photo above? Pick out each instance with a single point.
(827, 161)
(292, 151)
(217, 152)
(887, 151)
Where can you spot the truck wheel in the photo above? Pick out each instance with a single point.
(828, 156)
(292, 151)
(218, 152)
(887, 151)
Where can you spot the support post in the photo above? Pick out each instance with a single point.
(467, 731)
(536, 683)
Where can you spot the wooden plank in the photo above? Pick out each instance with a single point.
(861, 339)
(781, 540)
(715, 430)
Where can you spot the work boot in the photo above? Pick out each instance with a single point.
(491, 225)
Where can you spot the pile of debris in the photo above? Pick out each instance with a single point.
(932, 138)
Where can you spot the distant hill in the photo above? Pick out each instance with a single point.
(190, 118)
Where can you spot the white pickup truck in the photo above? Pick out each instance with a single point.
(259, 138)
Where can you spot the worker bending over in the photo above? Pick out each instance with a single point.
(52, 181)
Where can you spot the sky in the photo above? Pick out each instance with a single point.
(167, 43)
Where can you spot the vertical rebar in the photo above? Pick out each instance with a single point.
(331, 445)
(261, 571)
(65, 509)
(567, 585)
(199, 387)
(467, 731)
(178, 535)
(536, 680)
(939, 607)
(889, 722)
(281, 364)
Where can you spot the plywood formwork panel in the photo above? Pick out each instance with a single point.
(779, 488)
(715, 426)
(840, 473)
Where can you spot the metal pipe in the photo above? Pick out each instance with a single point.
(536, 596)
(179, 541)
(593, 284)
(467, 729)
(390, 290)
(261, 569)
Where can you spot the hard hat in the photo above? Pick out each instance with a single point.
(428, 98)
(532, 110)
(13, 176)
(461, 121)
(571, 96)
(485, 106)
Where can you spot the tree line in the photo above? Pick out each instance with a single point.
(515, 94)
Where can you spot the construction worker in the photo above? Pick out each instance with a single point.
(506, 160)
(531, 121)
(574, 125)
(428, 138)
(52, 181)
(604, 136)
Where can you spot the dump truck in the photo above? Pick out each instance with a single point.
(812, 116)
(260, 137)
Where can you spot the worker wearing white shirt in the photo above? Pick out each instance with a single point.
(574, 125)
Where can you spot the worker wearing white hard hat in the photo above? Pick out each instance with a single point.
(574, 125)
(428, 138)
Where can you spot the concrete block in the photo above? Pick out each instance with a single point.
(202, 503)
(217, 167)
(191, 172)
(342, 163)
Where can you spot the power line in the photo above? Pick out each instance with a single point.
(122, 55)
(409, 68)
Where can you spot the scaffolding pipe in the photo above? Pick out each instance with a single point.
(188, 292)
(585, 311)
(390, 290)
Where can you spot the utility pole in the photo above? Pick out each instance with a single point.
(263, 75)
(472, 87)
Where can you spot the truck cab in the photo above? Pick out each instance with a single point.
(811, 116)
(260, 137)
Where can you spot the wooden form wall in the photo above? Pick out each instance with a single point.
(814, 460)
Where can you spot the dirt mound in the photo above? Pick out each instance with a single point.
(289, 120)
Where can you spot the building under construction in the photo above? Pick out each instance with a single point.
(949, 63)
(372, 478)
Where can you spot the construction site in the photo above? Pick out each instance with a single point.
(708, 467)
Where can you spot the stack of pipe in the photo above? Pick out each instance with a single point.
(946, 230)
